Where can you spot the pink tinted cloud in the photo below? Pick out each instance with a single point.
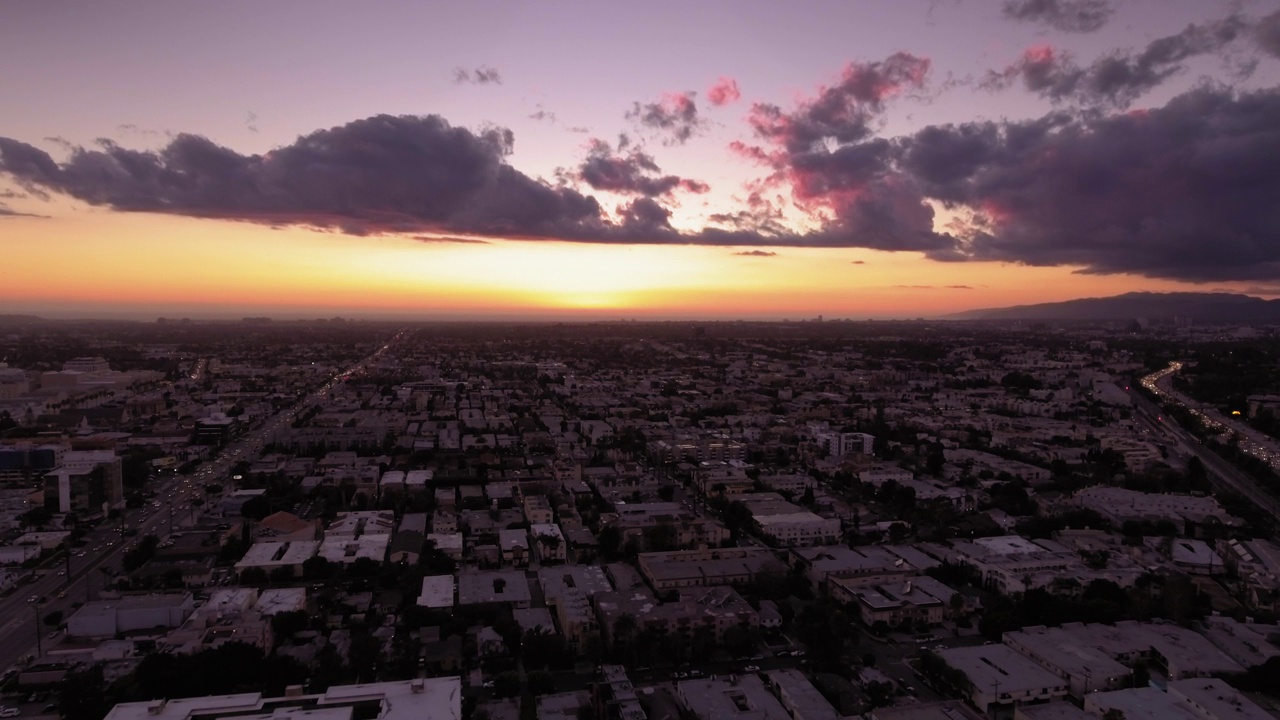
(724, 91)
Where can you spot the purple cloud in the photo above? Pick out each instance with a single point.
(1118, 79)
(635, 173)
(483, 75)
(675, 116)
(1076, 16)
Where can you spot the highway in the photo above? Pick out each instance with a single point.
(170, 509)
(1221, 472)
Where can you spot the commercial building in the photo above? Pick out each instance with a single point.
(787, 524)
(106, 618)
(702, 568)
(998, 675)
(272, 555)
(743, 697)
(798, 696)
(85, 481)
(438, 698)
(915, 601)
(509, 587)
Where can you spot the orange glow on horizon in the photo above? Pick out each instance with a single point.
(91, 260)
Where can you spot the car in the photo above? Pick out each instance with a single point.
(62, 594)
(33, 598)
(10, 712)
(61, 573)
(751, 668)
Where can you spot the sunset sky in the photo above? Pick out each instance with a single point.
(861, 158)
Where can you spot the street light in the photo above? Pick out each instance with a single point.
(39, 645)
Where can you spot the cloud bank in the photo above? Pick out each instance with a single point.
(1186, 191)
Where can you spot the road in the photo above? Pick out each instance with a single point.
(1221, 472)
(21, 633)
(1251, 441)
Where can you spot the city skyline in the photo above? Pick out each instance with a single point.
(864, 160)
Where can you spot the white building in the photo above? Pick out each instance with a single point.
(438, 698)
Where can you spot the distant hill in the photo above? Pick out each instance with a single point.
(1212, 308)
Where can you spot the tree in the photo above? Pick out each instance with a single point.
(253, 576)
(256, 508)
(317, 568)
(506, 684)
(36, 517)
(84, 695)
(541, 682)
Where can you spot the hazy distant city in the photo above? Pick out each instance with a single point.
(625, 520)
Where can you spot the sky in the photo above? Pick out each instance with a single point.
(582, 160)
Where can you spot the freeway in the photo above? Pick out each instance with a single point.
(23, 634)
(1221, 472)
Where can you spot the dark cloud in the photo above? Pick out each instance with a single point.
(1186, 191)
(1118, 79)
(936, 287)
(756, 253)
(675, 116)
(857, 262)
(1080, 16)
(377, 175)
(724, 91)
(543, 116)
(449, 240)
(1267, 33)
(578, 129)
(483, 75)
(7, 212)
(843, 113)
(251, 121)
(635, 173)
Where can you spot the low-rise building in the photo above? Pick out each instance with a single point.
(702, 568)
(507, 586)
(1000, 676)
(106, 618)
(744, 697)
(437, 592)
(438, 698)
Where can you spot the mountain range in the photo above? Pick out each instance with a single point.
(1202, 308)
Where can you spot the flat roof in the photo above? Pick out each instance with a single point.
(991, 666)
(437, 592)
(1145, 703)
(509, 586)
(1218, 698)
(747, 699)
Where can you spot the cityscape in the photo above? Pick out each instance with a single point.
(712, 360)
(816, 519)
